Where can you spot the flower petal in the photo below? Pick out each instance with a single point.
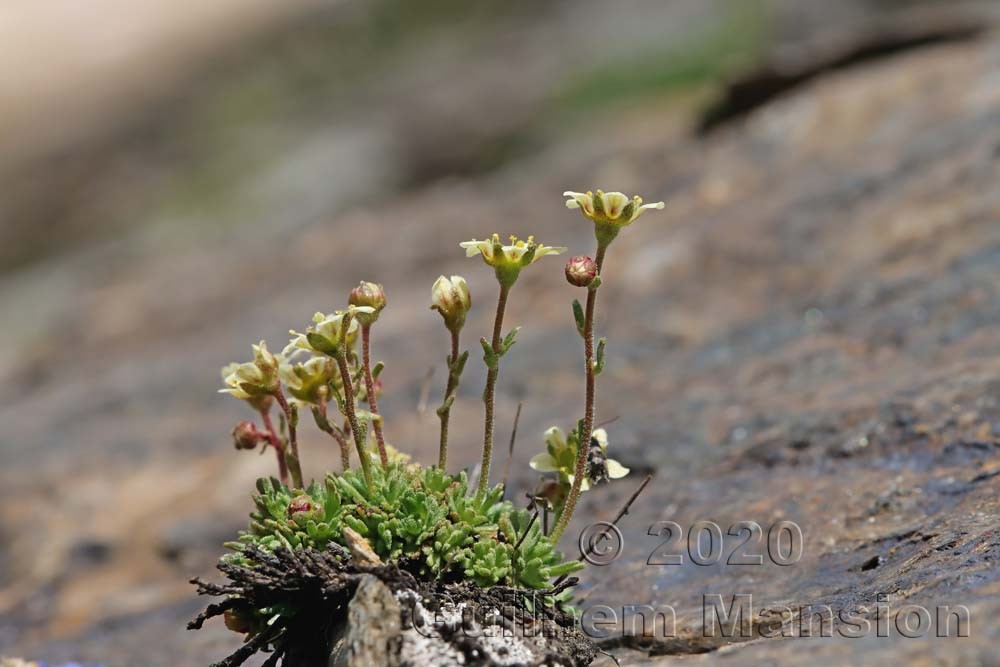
(543, 463)
(555, 437)
(615, 470)
(581, 200)
(614, 204)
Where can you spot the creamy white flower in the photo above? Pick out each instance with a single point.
(609, 207)
(324, 337)
(518, 253)
(252, 378)
(307, 381)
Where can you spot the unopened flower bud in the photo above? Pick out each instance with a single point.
(581, 271)
(369, 295)
(237, 622)
(304, 508)
(246, 435)
(451, 298)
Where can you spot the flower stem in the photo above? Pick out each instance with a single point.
(345, 453)
(445, 412)
(366, 331)
(279, 448)
(489, 395)
(295, 468)
(352, 418)
(588, 416)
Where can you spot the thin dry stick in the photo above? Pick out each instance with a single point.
(510, 448)
(588, 416)
(618, 517)
(279, 448)
(520, 540)
(366, 331)
(445, 411)
(489, 395)
(604, 423)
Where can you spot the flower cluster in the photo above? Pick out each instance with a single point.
(392, 510)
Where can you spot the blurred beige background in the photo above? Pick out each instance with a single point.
(181, 179)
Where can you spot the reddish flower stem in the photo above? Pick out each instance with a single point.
(489, 395)
(366, 331)
(345, 452)
(445, 412)
(588, 416)
(295, 467)
(279, 448)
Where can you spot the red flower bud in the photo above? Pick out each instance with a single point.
(303, 509)
(246, 435)
(581, 271)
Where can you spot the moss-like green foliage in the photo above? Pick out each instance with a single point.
(422, 518)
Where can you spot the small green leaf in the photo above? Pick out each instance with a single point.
(599, 360)
(509, 340)
(322, 423)
(578, 315)
(459, 364)
(489, 356)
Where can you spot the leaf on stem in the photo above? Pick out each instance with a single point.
(490, 357)
(578, 315)
(598, 364)
(509, 340)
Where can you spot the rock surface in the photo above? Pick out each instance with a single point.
(810, 332)
(396, 629)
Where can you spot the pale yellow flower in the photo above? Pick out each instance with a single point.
(561, 454)
(508, 260)
(253, 378)
(308, 381)
(612, 208)
(324, 336)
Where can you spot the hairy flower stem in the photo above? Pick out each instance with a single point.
(489, 395)
(445, 412)
(345, 453)
(294, 466)
(588, 416)
(279, 448)
(352, 418)
(366, 331)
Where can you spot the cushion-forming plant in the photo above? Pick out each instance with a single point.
(426, 520)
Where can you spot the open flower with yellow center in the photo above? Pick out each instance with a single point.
(561, 452)
(610, 211)
(326, 335)
(308, 382)
(253, 379)
(508, 260)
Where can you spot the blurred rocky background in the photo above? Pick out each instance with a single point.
(809, 332)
